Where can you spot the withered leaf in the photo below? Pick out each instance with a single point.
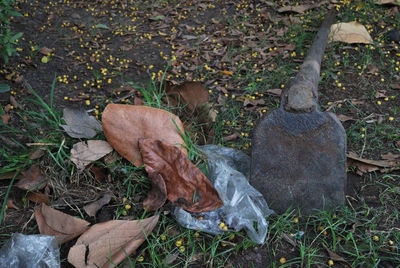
(99, 173)
(335, 257)
(38, 153)
(10, 203)
(93, 207)
(158, 193)
(5, 118)
(186, 185)
(38, 197)
(191, 93)
(232, 137)
(387, 2)
(46, 51)
(79, 124)
(31, 179)
(344, 118)
(350, 32)
(390, 156)
(83, 153)
(109, 243)
(53, 222)
(124, 125)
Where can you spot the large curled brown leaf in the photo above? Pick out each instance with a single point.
(53, 222)
(115, 239)
(186, 185)
(191, 93)
(31, 179)
(124, 125)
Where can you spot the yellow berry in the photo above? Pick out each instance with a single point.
(182, 249)
(282, 260)
(140, 259)
(45, 59)
(221, 225)
(390, 242)
(178, 243)
(124, 199)
(196, 234)
(375, 238)
(87, 102)
(330, 263)
(391, 118)
(296, 220)
(128, 207)
(379, 102)
(163, 237)
(124, 213)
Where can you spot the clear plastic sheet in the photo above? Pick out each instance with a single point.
(30, 251)
(244, 207)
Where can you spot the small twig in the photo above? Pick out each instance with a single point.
(39, 143)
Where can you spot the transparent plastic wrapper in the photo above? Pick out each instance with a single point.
(30, 251)
(244, 207)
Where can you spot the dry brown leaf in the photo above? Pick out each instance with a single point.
(232, 137)
(10, 204)
(93, 207)
(158, 193)
(387, 2)
(380, 94)
(83, 153)
(31, 179)
(335, 257)
(116, 239)
(99, 173)
(390, 156)
(38, 197)
(298, 9)
(14, 102)
(46, 51)
(5, 118)
(193, 94)
(395, 86)
(124, 125)
(344, 118)
(186, 185)
(275, 91)
(38, 153)
(63, 226)
(367, 165)
(350, 32)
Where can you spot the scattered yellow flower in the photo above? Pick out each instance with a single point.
(282, 260)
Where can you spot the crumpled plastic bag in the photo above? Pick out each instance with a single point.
(244, 207)
(30, 251)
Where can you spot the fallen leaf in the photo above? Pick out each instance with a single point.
(232, 137)
(53, 222)
(275, 91)
(95, 206)
(193, 94)
(38, 197)
(372, 69)
(79, 124)
(186, 185)
(85, 152)
(38, 153)
(109, 243)
(14, 102)
(99, 173)
(5, 118)
(335, 257)
(124, 125)
(7, 175)
(367, 165)
(32, 179)
(212, 115)
(388, 2)
(390, 156)
(158, 194)
(10, 204)
(344, 118)
(46, 51)
(380, 94)
(350, 32)
(395, 86)
(297, 9)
